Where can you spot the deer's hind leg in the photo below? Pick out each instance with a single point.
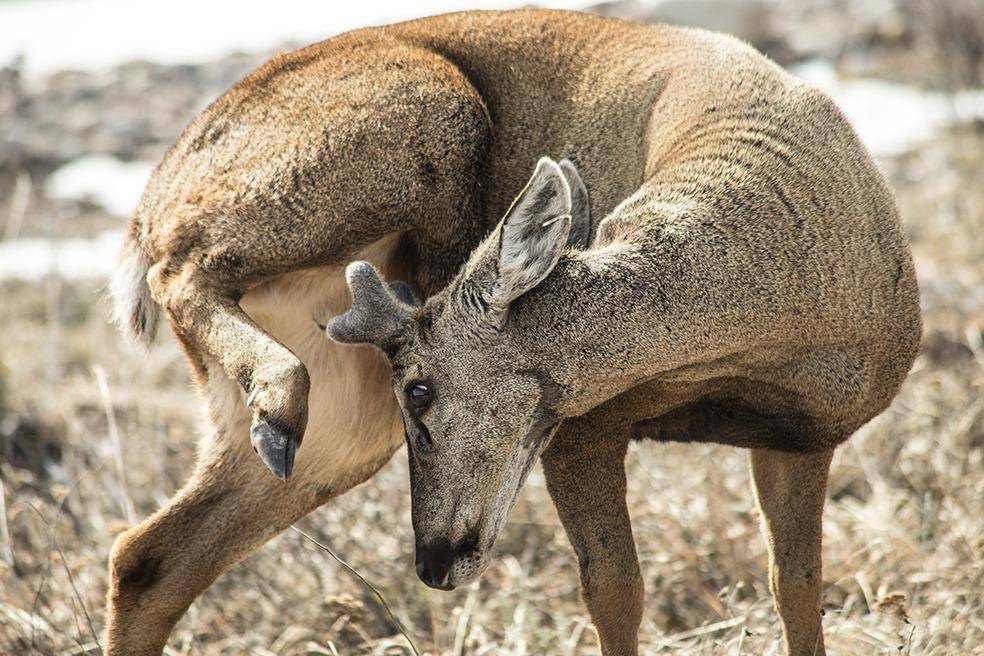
(202, 302)
(585, 471)
(203, 305)
(207, 318)
(790, 488)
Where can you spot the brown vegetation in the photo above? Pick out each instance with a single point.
(904, 524)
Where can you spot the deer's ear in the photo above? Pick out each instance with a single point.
(519, 253)
(533, 233)
(580, 234)
(378, 313)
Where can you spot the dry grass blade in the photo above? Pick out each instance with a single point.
(351, 570)
(908, 642)
(68, 571)
(17, 210)
(461, 630)
(82, 650)
(6, 547)
(114, 436)
(703, 630)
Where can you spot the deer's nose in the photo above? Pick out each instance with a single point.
(434, 561)
(436, 558)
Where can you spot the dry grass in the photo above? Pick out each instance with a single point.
(904, 524)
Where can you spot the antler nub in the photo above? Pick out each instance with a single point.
(378, 311)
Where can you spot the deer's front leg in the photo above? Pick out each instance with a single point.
(791, 488)
(275, 380)
(584, 466)
(160, 566)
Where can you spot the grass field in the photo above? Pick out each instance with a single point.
(904, 522)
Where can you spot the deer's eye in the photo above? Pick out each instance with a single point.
(419, 395)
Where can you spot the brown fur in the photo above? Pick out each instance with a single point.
(747, 283)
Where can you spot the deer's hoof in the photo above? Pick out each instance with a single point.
(275, 446)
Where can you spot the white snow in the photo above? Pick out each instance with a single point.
(55, 35)
(113, 184)
(33, 259)
(891, 118)
(107, 181)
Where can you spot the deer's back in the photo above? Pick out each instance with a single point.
(385, 113)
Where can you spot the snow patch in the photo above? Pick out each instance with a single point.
(891, 118)
(32, 259)
(94, 35)
(106, 181)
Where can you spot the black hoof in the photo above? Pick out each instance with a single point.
(275, 447)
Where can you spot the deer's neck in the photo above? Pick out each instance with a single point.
(577, 328)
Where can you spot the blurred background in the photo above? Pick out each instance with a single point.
(95, 435)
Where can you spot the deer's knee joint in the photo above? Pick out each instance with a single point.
(142, 573)
(133, 569)
(170, 286)
(143, 603)
(280, 385)
(296, 380)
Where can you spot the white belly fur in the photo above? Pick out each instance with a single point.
(354, 424)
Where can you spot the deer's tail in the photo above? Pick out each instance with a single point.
(135, 312)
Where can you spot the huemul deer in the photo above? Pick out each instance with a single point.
(730, 269)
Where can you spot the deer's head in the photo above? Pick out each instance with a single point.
(477, 411)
